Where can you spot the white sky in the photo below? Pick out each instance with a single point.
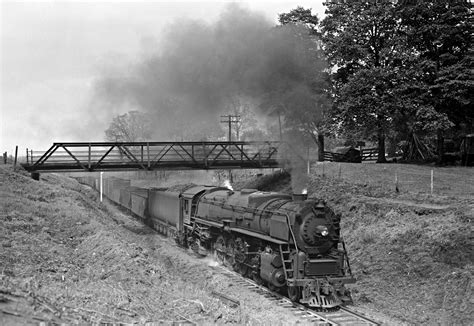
(52, 51)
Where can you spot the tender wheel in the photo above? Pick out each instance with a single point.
(294, 293)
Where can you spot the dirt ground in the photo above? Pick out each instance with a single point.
(65, 257)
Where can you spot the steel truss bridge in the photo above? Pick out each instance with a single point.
(119, 156)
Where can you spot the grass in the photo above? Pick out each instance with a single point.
(69, 259)
(411, 252)
(447, 181)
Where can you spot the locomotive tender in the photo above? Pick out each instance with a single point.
(289, 243)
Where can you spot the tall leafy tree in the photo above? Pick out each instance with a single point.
(441, 34)
(399, 66)
(360, 40)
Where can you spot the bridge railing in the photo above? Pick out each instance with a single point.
(155, 155)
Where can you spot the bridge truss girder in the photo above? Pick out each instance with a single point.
(119, 156)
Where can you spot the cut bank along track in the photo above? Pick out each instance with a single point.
(343, 316)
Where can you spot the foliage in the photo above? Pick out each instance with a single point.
(361, 43)
(359, 35)
(398, 67)
(367, 102)
(129, 127)
(301, 104)
(300, 16)
(440, 32)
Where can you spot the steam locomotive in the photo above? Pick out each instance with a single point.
(289, 243)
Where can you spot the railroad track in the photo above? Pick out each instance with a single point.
(343, 316)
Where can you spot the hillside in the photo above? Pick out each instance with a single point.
(412, 253)
(66, 258)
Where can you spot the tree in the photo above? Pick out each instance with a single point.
(441, 34)
(311, 111)
(361, 43)
(296, 89)
(132, 126)
(427, 44)
(300, 16)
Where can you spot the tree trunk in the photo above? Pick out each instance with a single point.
(440, 146)
(320, 147)
(392, 147)
(381, 146)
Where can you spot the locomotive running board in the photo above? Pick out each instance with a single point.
(258, 235)
(241, 231)
(208, 223)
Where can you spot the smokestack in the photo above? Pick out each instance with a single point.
(300, 197)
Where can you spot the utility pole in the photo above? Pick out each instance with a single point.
(230, 119)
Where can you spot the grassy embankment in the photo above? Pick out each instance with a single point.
(66, 258)
(412, 253)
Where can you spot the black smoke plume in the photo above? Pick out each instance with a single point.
(186, 84)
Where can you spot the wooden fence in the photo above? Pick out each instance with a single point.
(367, 154)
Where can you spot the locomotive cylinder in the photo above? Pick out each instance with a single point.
(271, 269)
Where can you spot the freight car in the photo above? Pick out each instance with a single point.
(291, 244)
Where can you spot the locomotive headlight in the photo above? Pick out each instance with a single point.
(322, 229)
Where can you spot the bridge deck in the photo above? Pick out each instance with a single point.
(107, 156)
